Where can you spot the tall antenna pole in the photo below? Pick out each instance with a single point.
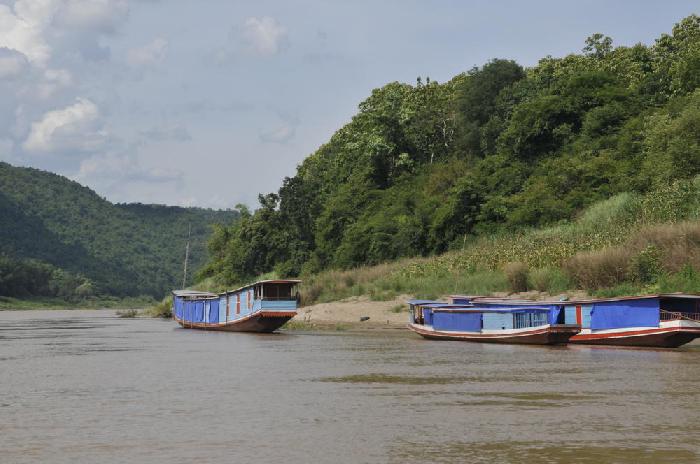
(187, 255)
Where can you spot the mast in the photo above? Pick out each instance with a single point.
(187, 254)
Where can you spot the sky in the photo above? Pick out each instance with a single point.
(208, 103)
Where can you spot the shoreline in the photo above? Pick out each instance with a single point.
(50, 304)
(347, 314)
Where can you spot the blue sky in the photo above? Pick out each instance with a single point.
(210, 103)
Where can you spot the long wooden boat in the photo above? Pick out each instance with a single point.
(663, 320)
(466, 322)
(263, 306)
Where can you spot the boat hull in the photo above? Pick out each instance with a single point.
(550, 335)
(671, 337)
(259, 322)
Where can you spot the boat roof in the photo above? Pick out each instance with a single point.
(585, 301)
(689, 296)
(470, 297)
(205, 295)
(269, 281)
(421, 302)
(194, 294)
(477, 309)
(438, 304)
(518, 302)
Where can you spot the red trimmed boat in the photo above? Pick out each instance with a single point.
(263, 306)
(663, 321)
(464, 322)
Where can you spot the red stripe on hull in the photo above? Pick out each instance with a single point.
(261, 322)
(547, 336)
(659, 338)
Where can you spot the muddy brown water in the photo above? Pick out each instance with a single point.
(87, 387)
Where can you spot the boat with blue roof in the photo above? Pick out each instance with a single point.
(663, 320)
(533, 325)
(263, 306)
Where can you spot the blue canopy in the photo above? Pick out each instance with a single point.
(214, 311)
(198, 315)
(625, 313)
(189, 310)
(457, 321)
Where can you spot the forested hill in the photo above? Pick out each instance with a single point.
(59, 237)
(422, 168)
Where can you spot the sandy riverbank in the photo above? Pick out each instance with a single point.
(347, 313)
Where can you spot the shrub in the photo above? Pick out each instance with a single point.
(162, 309)
(620, 208)
(516, 272)
(598, 269)
(645, 266)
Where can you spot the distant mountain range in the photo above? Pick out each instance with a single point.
(119, 249)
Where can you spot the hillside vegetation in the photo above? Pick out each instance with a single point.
(468, 170)
(627, 244)
(59, 238)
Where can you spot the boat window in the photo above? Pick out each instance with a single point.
(685, 305)
(280, 291)
(522, 320)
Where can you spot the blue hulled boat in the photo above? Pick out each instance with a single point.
(263, 306)
(534, 325)
(664, 320)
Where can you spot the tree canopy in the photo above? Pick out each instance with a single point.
(422, 167)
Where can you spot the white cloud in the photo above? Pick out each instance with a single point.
(12, 63)
(22, 29)
(265, 36)
(75, 128)
(32, 25)
(150, 54)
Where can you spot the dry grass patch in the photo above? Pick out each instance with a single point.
(517, 276)
(678, 244)
(602, 268)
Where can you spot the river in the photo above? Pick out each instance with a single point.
(88, 387)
